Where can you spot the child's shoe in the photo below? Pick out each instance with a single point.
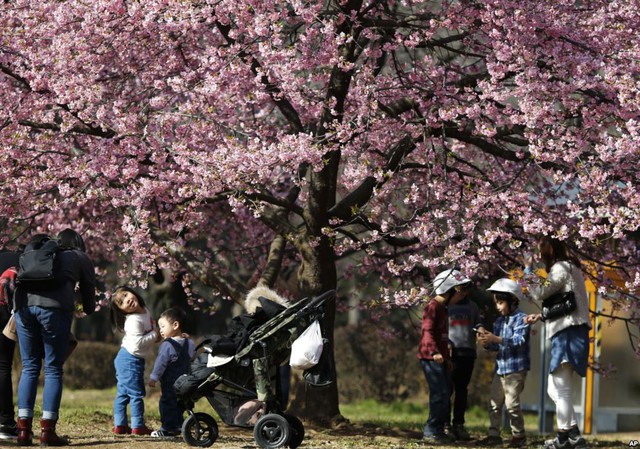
(490, 441)
(460, 433)
(144, 430)
(122, 430)
(438, 440)
(518, 441)
(164, 433)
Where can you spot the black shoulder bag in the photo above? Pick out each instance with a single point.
(558, 305)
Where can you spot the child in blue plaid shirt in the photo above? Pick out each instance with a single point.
(511, 340)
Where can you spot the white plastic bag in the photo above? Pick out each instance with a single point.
(307, 348)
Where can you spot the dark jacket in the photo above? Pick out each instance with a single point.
(73, 267)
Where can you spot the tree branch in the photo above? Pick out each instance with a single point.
(362, 194)
(91, 131)
(7, 71)
(287, 109)
(205, 274)
(274, 261)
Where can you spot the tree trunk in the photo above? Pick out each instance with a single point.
(317, 274)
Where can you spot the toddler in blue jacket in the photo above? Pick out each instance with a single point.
(174, 355)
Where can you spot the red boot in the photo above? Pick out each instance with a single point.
(48, 437)
(25, 432)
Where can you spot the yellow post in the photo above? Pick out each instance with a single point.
(594, 351)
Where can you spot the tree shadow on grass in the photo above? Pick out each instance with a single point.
(349, 429)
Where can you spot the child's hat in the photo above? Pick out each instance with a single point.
(448, 279)
(506, 285)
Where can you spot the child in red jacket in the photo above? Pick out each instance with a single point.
(450, 287)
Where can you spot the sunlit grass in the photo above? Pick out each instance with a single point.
(411, 415)
(395, 414)
(89, 406)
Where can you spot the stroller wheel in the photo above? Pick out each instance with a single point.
(200, 430)
(272, 431)
(297, 431)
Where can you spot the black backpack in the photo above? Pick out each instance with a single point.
(37, 266)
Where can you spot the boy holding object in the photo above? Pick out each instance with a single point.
(511, 341)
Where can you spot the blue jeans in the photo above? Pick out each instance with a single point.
(439, 383)
(43, 334)
(130, 389)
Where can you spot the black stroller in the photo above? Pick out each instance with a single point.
(242, 388)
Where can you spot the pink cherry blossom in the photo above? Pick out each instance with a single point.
(410, 139)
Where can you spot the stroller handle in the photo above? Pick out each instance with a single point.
(317, 302)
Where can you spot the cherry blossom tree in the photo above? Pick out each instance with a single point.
(233, 140)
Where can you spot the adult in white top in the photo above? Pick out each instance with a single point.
(569, 336)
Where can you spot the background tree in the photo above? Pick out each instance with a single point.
(231, 139)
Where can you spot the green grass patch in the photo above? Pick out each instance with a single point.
(408, 415)
(411, 415)
(94, 409)
(90, 406)
(86, 407)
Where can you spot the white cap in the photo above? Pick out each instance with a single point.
(448, 279)
(506, 285)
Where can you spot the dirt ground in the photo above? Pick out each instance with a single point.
(349, 436)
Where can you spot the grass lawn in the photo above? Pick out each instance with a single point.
(411, 416)
(86, 416)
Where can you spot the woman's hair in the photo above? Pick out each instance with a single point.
(39, 238)
(553, 250)
(70, 239)
(116, 315)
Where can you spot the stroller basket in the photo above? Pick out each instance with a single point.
(236, 410)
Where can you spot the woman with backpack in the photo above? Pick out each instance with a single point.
(44, 310)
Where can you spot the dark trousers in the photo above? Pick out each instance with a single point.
(460, 378)
(7, 348)
(171, 410)
(439, 396)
